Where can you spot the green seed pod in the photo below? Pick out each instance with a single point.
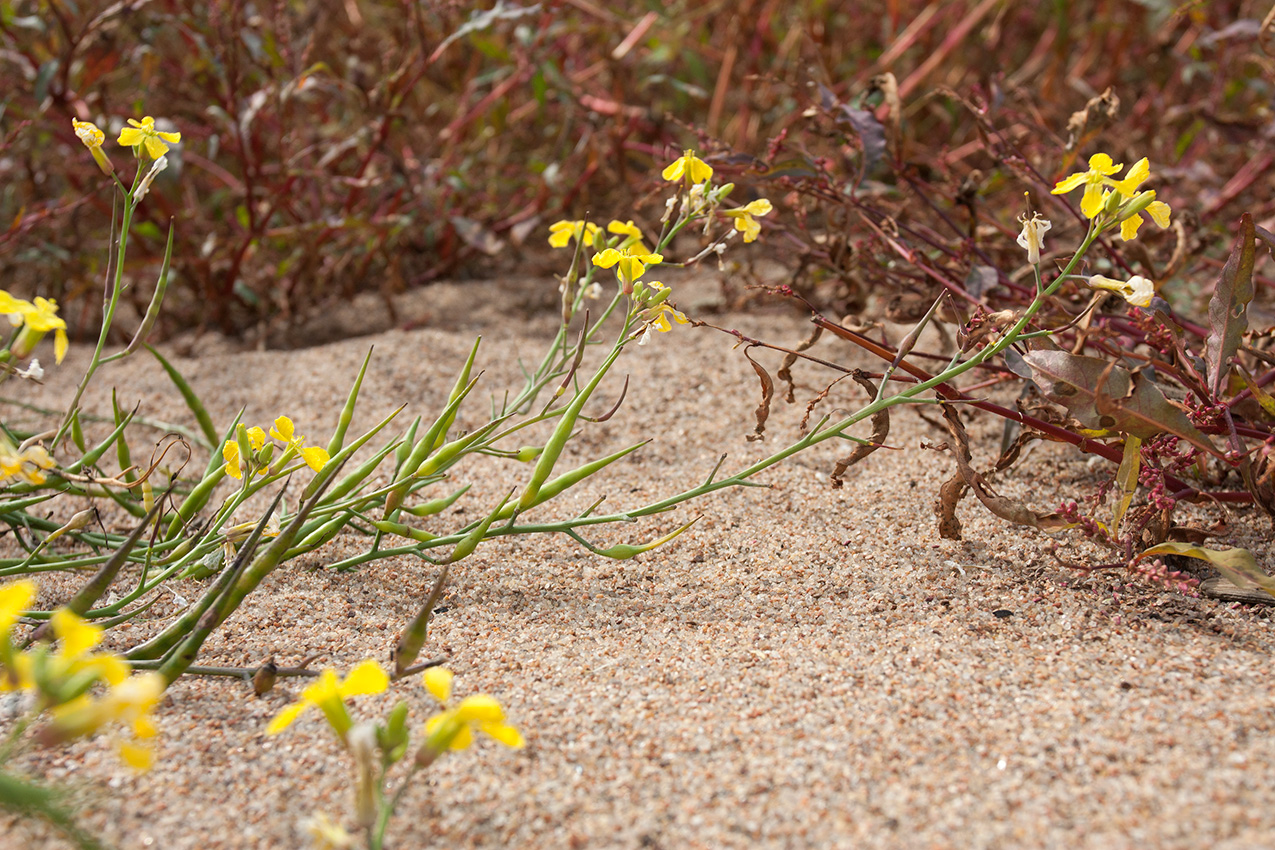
(402, 530)
(436, 506)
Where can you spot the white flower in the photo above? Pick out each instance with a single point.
(1032, 239)
(33, 372)
(1137, 290)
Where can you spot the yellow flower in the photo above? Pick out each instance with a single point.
(143, 133)
(688, 166)
(230, 452)
(129, 701)
(744, 221)
(561, 232)
(1137, 290)
(14, 308)
(453, 728)
(1130, 214)
(632, 236)
(632, 264)
(1098, 176)
(284, 432)
(329, 695)
(92, 137)
(1032, 239)
(28, 465)
(38, 319)
(657, 318)
(14, 599)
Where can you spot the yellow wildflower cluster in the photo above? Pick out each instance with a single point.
(36, 319)
(284, 432)
(61, 680)
(1114, 201)
(627, 252)
(449, 729)
(141, 136)
(1108, 202)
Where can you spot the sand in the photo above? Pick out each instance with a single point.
(806, 667)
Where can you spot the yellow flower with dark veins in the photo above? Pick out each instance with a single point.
(453, 728)
(562, 232)
(1094, 180)
(143, 133)
(688, 166)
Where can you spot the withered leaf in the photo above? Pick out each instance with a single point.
(767, 392)
(1002, 506)
(865, 125)
(880, 431)
(1228, 308)
(785, 369)
(1102, 396)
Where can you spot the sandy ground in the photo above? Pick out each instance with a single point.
(807, 667)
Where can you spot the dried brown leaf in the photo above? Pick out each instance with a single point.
(767, 393)
(1002, 506)
(785, 370)
(880, 431)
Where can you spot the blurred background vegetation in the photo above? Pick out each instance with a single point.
(376, 145)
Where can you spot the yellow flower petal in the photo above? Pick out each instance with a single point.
(137, 756)
(75, 635)
(1129, 227)
(14, 599)
(283, 429)
(463, 740)
(1100, 163)
(1092, 201)
(230, 454)
(1067, 184)
(1159, 212)
(315, 457)
(690, 166)
(286, 717)
(366, 678)
(438, 681)
(480, 708)
(505, 734)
